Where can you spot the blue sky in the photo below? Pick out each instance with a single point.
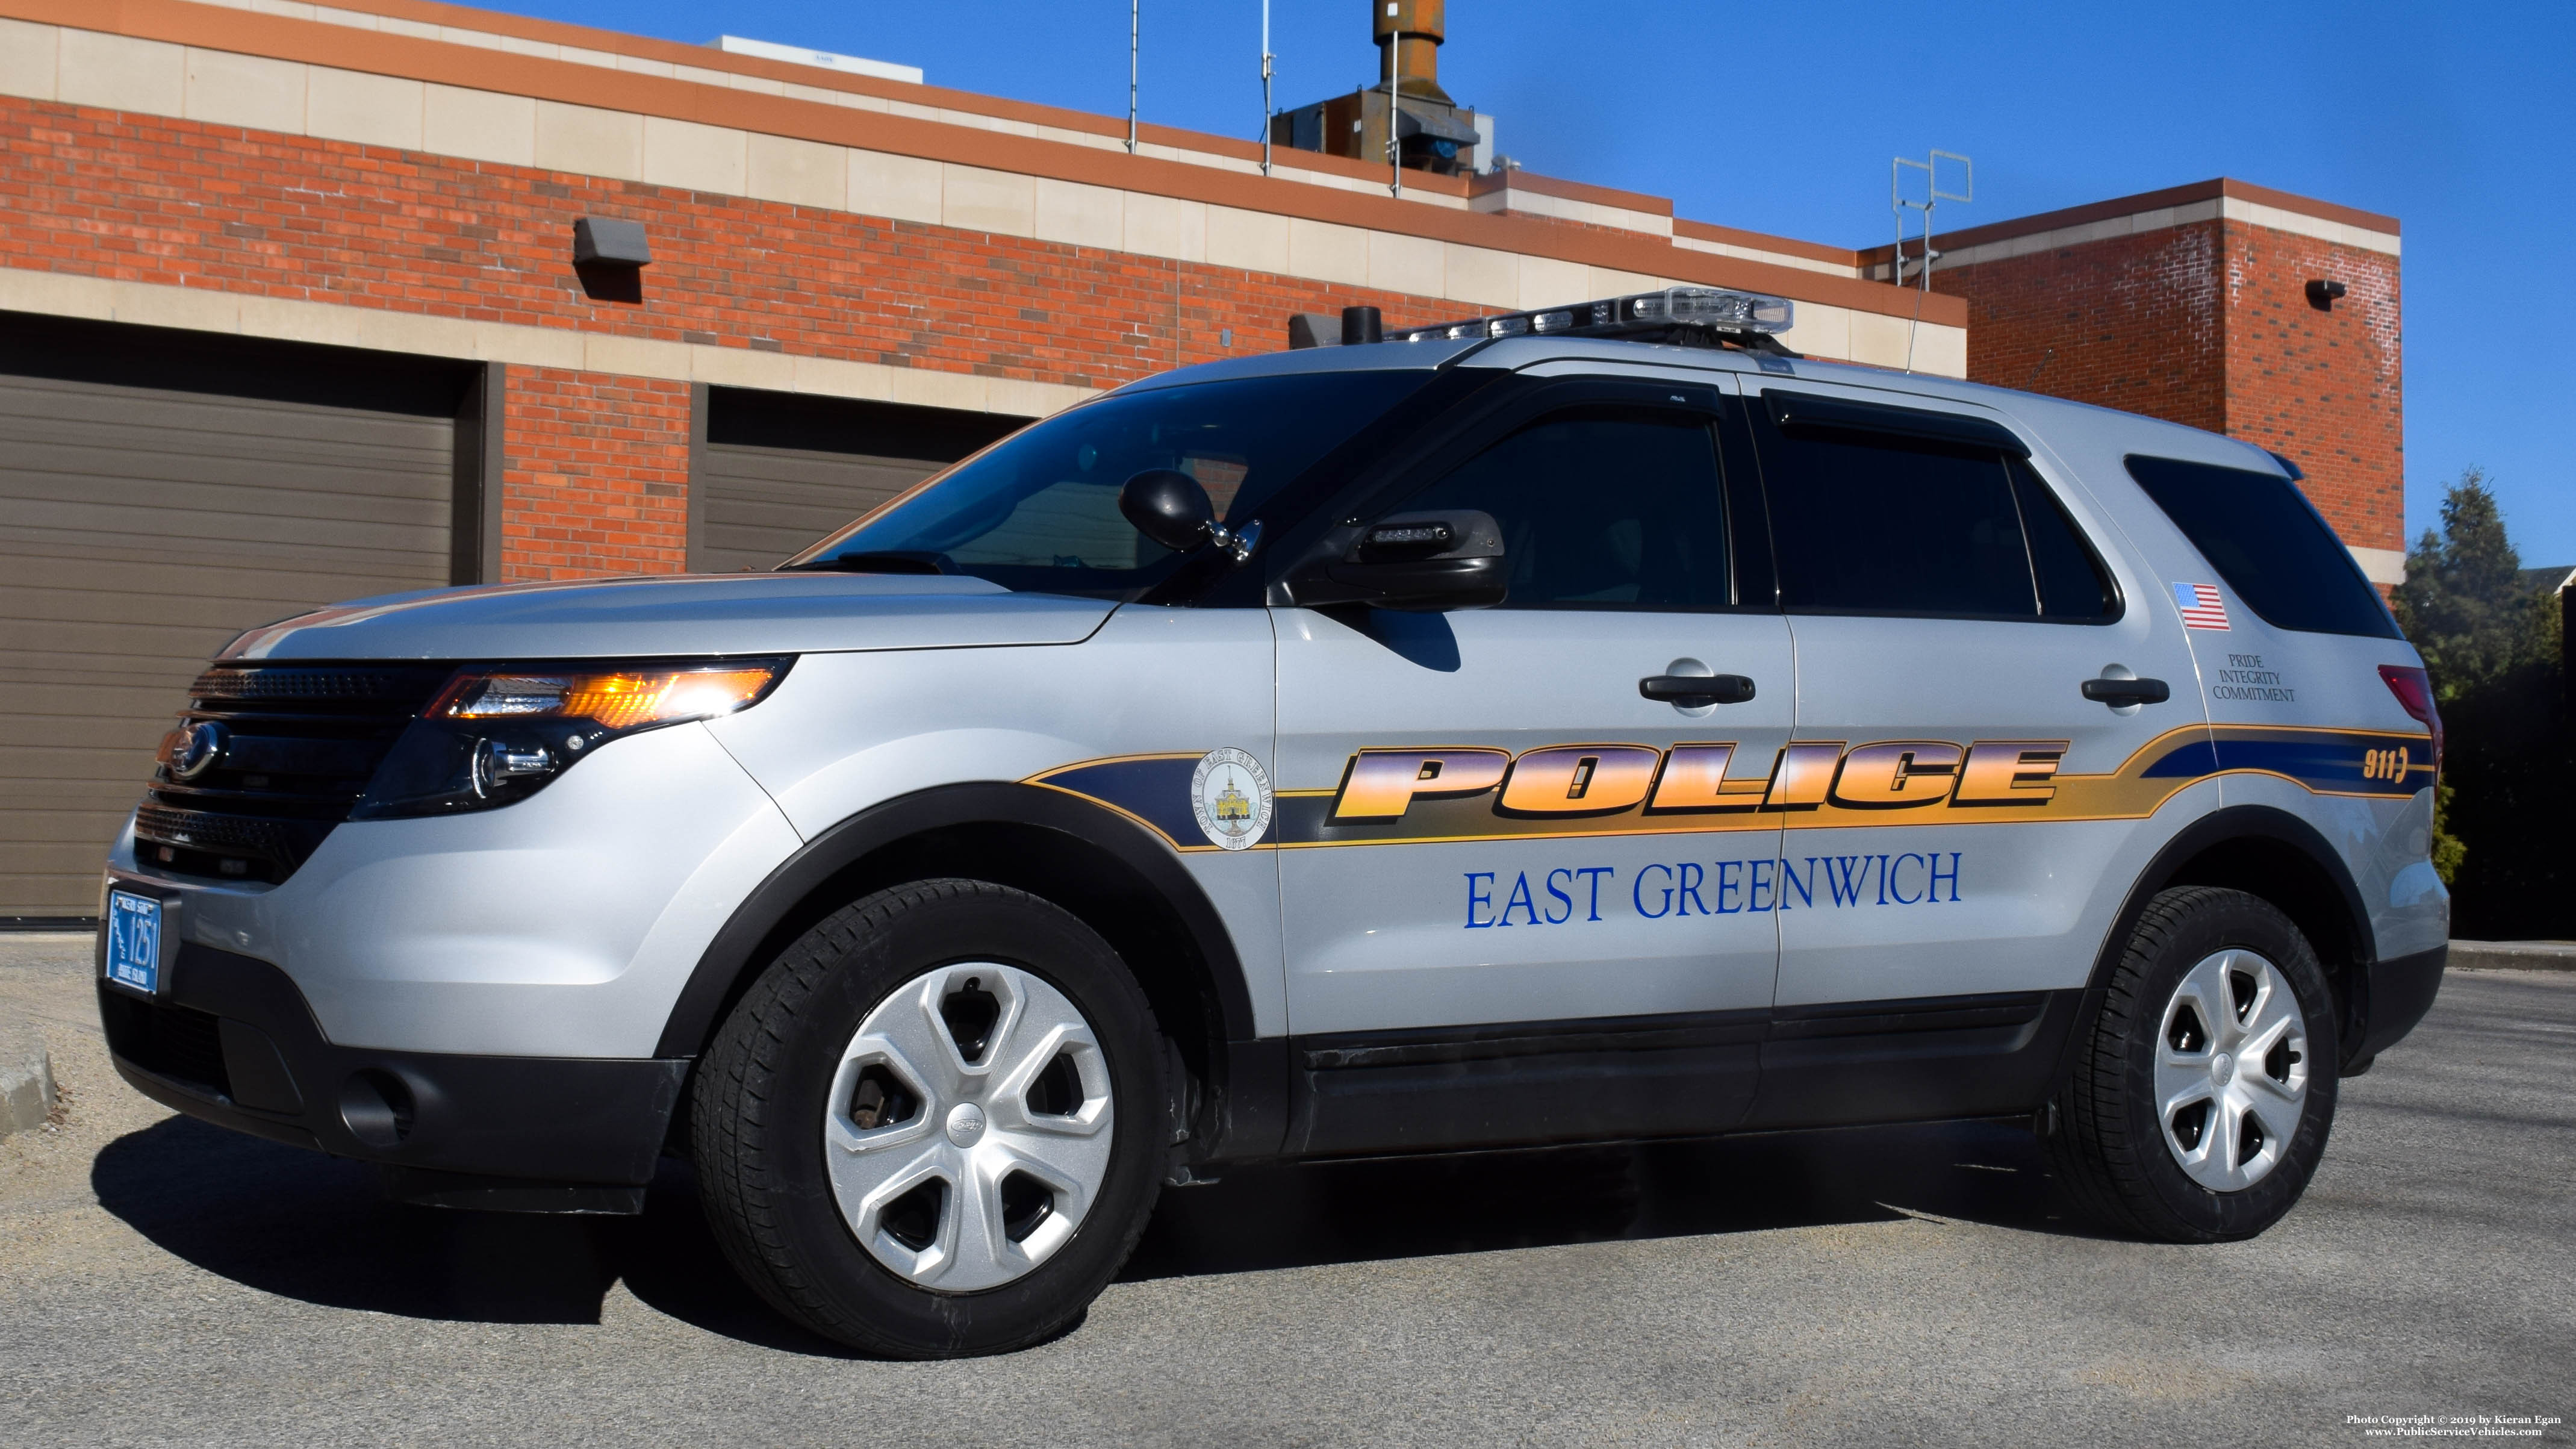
(2459, 119)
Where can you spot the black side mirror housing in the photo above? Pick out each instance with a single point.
(1169, 507)
(1421, 563)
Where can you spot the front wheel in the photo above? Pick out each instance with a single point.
(931, 1128)
(2204, 1090)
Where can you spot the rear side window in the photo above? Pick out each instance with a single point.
(1880, 523)
(2270, 546)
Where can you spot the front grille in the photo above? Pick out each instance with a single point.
(303, 741)
(178, 1042)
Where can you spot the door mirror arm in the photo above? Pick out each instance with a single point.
(1172, 508)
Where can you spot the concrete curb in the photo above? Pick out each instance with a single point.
(26, 1078)
(2513, 955)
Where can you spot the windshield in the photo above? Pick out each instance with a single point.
(1039, 510)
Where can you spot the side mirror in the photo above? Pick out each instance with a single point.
(1422, 563)
(1169, 507)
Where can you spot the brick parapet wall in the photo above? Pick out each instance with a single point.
(2208, 324)
(172, 202)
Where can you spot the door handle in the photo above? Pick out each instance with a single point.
(2118, 692)
(1691, 691)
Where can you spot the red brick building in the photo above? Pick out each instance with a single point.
(289, 313)
(2239, 309)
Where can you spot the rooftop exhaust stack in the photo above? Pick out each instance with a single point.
(1415, 28)
(1433, 132)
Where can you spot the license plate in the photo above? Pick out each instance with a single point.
(134, 941)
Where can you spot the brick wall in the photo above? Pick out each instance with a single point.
(2133, 322)
(2208, 324)
(597, 475)
(2321, 386)
(2204, 323)
(596, 472)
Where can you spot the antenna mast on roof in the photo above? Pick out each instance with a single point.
(1266, 111)
(1135, 17)
(1394, 117)
(1933, 196)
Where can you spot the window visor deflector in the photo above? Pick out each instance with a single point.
(1812, 410)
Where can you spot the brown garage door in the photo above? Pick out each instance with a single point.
(141, 527)
(776, 471)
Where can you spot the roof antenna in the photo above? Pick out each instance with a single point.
(1266, 110)
(1135, 18)
(1394, 114)
(1933, 196)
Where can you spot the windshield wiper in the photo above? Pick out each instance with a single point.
(879, 561)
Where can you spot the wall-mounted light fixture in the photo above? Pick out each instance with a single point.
(2322, 294)
(609, 255)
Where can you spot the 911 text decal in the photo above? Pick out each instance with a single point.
(1683, 889)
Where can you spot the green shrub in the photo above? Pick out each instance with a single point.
(2492, 642)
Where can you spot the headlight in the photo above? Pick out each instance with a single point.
(498, 732)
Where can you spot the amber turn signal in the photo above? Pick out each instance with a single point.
(615, 699)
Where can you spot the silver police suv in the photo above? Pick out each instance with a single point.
(1590, 724)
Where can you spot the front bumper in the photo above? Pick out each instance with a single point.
(565, 925)
(232, 1041)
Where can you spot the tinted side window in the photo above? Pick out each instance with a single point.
(2270, 546)
(1872, 523)
(2073, 586)
(1604, 508)
(1039, 510)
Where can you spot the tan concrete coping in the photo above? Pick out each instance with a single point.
(2513, 955)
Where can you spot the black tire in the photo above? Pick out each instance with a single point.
(2108, 1150)
(761, 1093)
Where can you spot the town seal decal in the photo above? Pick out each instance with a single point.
(1231, 796)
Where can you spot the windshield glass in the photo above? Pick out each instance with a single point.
(1039, 510)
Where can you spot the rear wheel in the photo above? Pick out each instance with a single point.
(2204, 1091)
(932, 1126)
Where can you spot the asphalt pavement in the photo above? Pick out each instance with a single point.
(162, 1282)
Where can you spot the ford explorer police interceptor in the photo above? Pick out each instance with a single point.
(1589, 724)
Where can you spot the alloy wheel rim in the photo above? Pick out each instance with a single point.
(2231, 1073)
(969, 1126)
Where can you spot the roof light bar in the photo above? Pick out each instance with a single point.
(1700, 309)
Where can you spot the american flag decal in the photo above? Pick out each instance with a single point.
(2201, 606)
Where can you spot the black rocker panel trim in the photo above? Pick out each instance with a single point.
(1522, 1083)
(1246, 1112)
(1925, 1059)
(236, 1044)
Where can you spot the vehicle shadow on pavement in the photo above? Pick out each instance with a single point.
(316, 1229)
(1395, 1208)
(313, 1228)
(672, 1264)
